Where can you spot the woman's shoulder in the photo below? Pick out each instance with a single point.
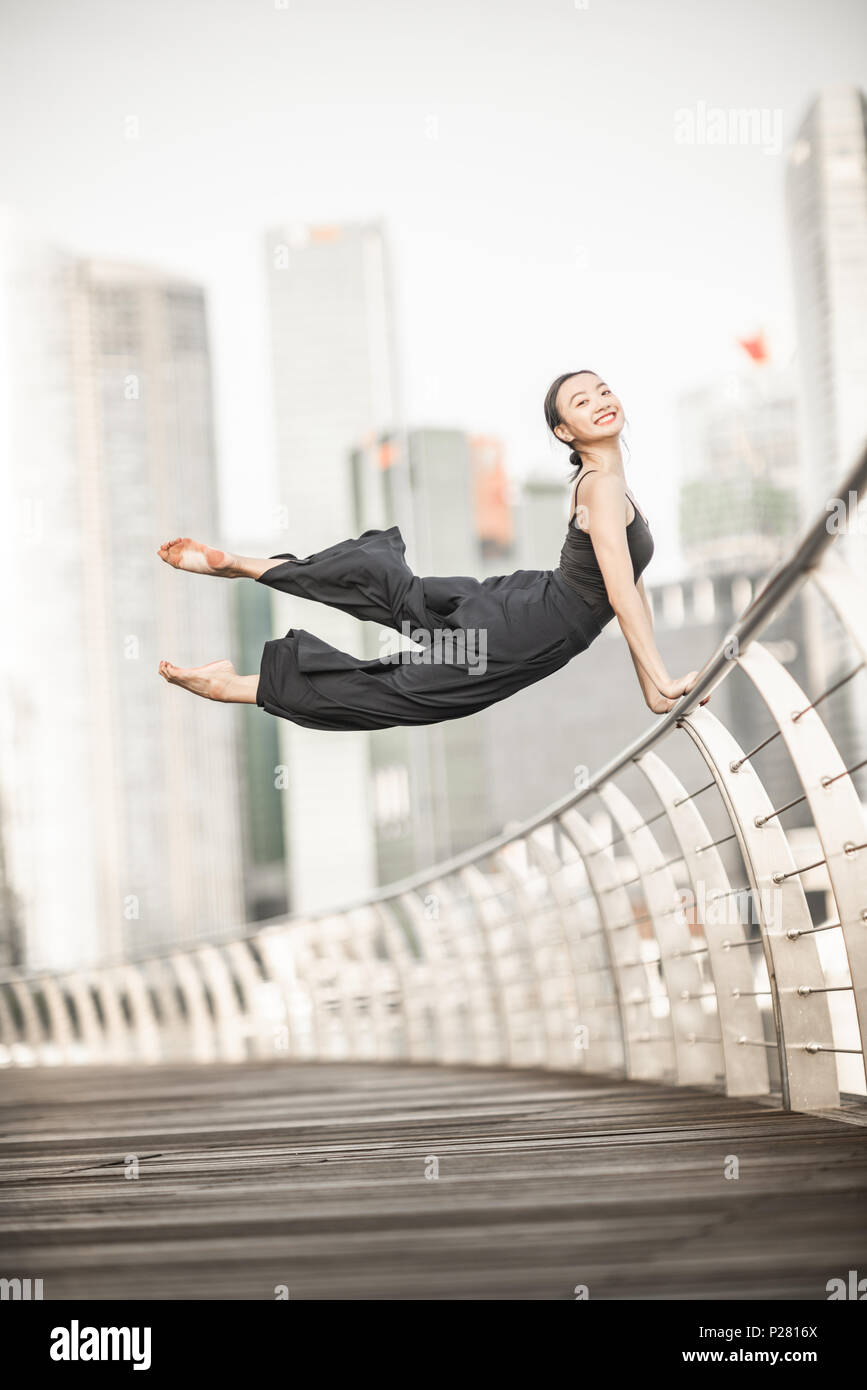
(597, 479)
(577, 481)
(599, 484)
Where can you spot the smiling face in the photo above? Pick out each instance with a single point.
(588, 410)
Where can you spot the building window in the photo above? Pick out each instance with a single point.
(742, 592)
(673, 606)
(391, 797)
(186, 312)
(703, 600)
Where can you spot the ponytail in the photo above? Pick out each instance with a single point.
(553, 419)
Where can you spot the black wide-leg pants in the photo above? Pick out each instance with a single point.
(480, 640)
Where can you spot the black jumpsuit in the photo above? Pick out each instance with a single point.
(482, 640)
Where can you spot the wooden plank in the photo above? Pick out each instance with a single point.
(313, 1176)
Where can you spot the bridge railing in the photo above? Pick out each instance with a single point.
(673, 933)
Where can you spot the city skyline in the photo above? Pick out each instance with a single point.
(517, 252)
(336, 353)
(301, 419)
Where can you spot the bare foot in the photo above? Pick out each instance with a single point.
(212, 681)
(187, 554)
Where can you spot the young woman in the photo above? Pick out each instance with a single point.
(530, 623)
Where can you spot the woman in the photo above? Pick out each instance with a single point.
(529, 623)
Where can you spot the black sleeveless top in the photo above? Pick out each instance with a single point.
(578, 565)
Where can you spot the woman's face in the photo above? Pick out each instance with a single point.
(589, 410)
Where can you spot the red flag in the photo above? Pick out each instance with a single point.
(756, 347)
(494, 524)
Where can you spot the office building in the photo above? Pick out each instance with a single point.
(333, 383)
(826, 208)
(118, 793)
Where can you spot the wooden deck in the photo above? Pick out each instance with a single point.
(313, 1177)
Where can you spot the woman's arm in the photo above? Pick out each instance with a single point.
(604, 516)
(660, 704)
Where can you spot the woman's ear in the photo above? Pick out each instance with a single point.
(562, 433)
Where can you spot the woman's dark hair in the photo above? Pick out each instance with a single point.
(553, 417)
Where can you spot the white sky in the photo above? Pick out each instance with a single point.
(553, 222)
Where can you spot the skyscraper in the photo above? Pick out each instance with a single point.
(334, 383)
(430, 784)
(461, 524)
(120, 794)
(826, 204)
(262, 779)
(542, 507)
(739, 496)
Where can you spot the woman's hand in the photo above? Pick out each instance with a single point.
(665, 697)
(678, 685)
(659, 704)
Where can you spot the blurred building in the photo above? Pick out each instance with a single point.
(123, 830)
(11, 924)
(264, 779)
(334, 382)
(430, 784)
(739, 501)
(542, 511)
(826, 204)
(552, 736)
(545, 741)
(493, 504)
